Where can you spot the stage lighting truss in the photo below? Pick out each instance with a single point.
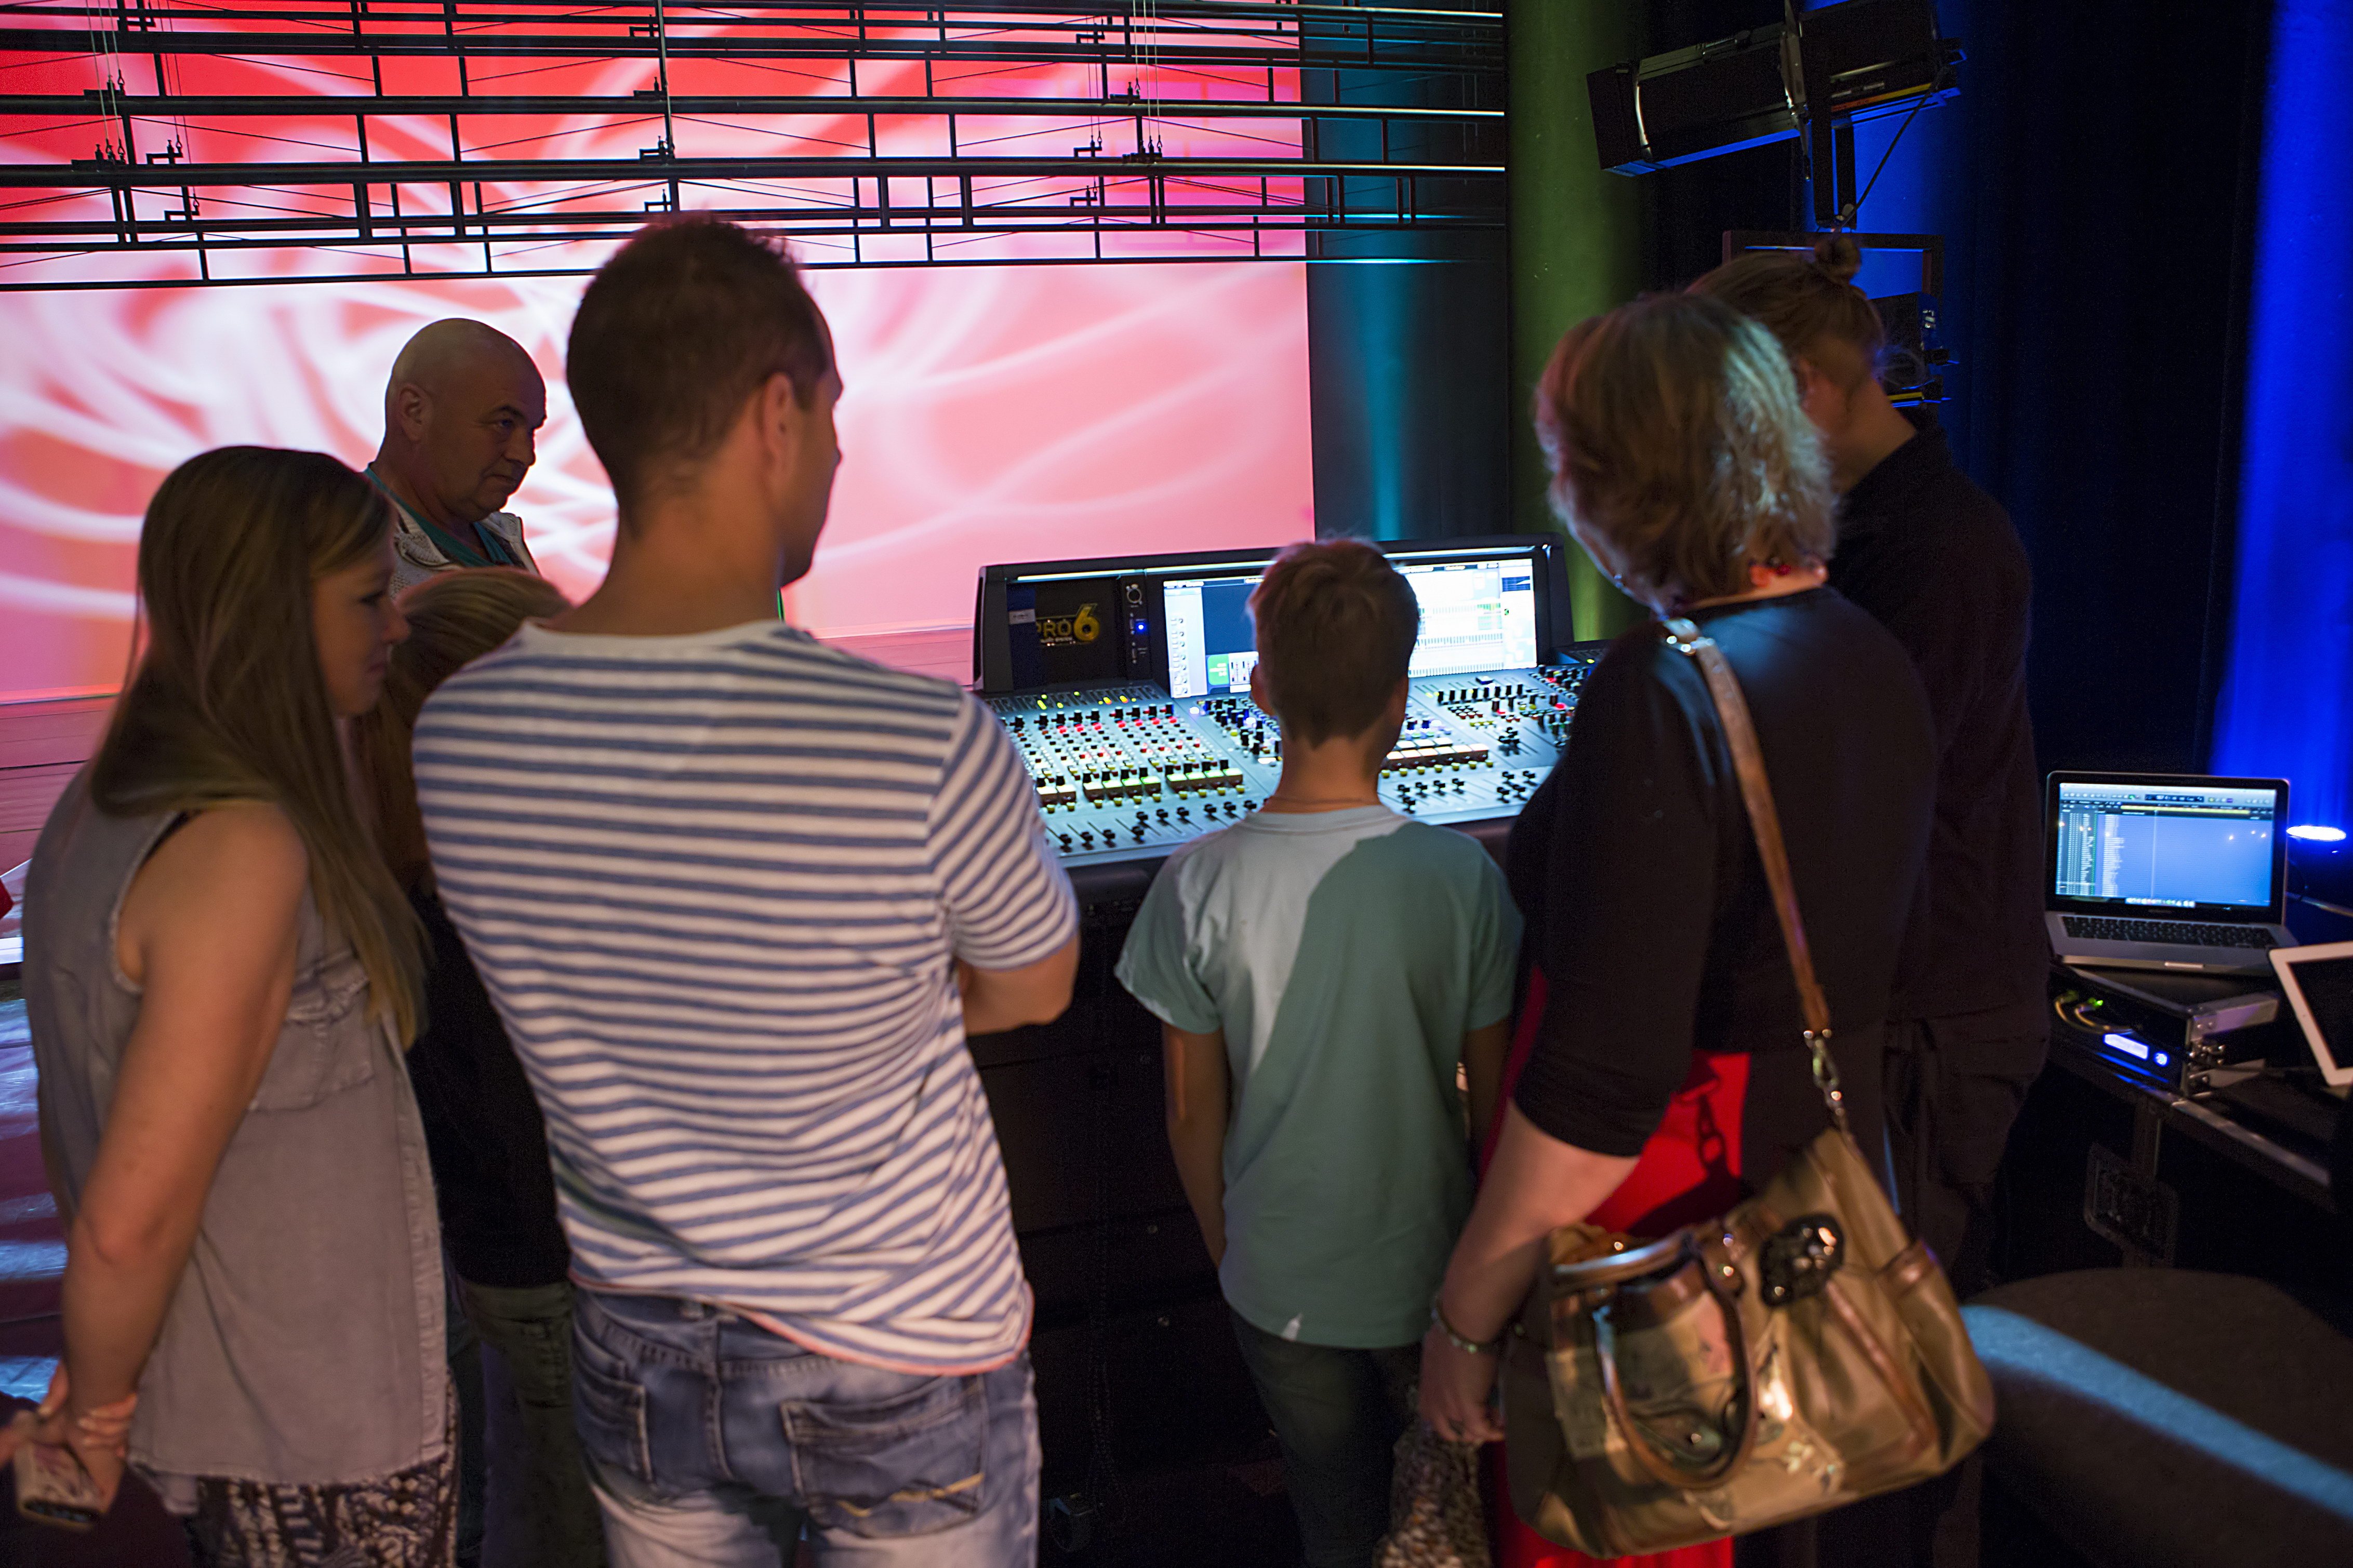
(172, 141)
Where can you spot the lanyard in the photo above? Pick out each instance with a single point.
(494, 552)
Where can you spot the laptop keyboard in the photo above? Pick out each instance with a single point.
(2182, 933)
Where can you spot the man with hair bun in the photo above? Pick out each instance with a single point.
(1935, 559)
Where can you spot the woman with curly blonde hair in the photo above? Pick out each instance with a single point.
(1660, 1073)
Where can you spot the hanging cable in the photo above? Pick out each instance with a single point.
(1848, 213)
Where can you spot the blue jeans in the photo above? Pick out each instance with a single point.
(1337, 1415)
(712, 1441)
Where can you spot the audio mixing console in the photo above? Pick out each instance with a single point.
(1127, 772)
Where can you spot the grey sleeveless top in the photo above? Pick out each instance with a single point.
(304, 1344)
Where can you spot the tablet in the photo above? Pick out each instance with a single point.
(2318, 982)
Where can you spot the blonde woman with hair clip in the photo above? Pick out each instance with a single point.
(1659, 1075)
(507, 1256)
(221, 978)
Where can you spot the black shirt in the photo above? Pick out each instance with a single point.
(483, 1127)
(1648, 908)
(1934, 558)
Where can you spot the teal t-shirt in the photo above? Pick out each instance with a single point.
(1344, 955)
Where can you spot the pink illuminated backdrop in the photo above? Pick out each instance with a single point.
(992, 413)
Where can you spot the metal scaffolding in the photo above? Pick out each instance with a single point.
(288, 139)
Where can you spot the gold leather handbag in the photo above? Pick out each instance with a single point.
(1799, 1355)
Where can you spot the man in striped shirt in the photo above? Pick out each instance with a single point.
(739, 899)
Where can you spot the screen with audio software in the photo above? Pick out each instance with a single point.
(1475, 615)
(2165, 844)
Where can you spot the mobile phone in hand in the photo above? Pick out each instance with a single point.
(53, 1488)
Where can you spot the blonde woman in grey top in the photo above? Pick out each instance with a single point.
(221, 978)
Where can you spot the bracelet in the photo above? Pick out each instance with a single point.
(1467, 1346)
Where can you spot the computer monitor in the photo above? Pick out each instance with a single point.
(2173, 845)
(1181, 620)
(1475, 615)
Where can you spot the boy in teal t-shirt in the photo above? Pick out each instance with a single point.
(1320, 971)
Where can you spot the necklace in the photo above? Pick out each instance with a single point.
(1323, 800)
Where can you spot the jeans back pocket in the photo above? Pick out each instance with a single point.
(906, 1465)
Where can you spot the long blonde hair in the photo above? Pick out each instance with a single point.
(454, 619)
(1674, 431)
(227, 703)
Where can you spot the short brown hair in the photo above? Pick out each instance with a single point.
(1805, 300)
(454, 619)
(1336, 626)
(674, 334)
(1674, 432)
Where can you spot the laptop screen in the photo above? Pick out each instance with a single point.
(2167, 844)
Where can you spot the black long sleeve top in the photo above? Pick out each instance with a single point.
(1935, 559)
(1647, 905)
(483, 1127)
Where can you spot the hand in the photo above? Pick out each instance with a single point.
(1455, 1389)
(101, 1426)
(98, 1438)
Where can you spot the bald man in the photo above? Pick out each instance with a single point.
(459, 413)
(461, 409)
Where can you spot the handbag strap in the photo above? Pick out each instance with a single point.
(1765, 823)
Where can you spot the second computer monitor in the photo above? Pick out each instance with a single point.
(1475, 615)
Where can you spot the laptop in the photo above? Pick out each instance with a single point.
(2165, 870)
(2318, 982)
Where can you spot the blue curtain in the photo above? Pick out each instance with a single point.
(2286, 701)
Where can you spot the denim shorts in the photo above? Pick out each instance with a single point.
(712, 1440)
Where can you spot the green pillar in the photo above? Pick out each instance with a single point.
(1576, 239)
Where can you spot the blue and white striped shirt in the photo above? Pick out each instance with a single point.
(716, 885)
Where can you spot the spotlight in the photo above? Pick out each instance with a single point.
(1812, 74)
(2311, 833)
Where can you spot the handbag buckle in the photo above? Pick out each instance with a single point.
(1798, 1260)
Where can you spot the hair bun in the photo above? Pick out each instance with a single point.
(1839, 255)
